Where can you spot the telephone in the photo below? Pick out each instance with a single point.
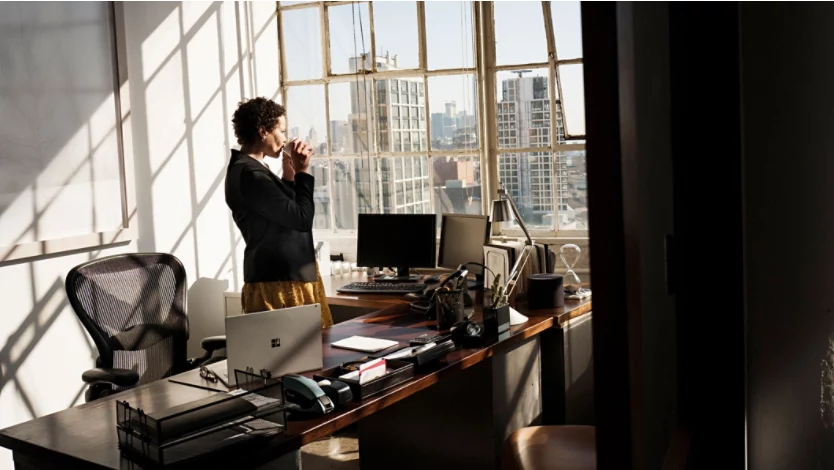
(306, 396)
(425, 305)
(468, 334)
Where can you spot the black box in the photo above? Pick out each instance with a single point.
(496, 320)
(397, 373)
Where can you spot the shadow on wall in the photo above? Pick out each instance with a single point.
(189, 64)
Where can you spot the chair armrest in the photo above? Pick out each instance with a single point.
(117, 377)
(213, 343)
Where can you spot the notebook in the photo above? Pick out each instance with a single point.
(364, 344)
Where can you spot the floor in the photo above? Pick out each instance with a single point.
(337, 452)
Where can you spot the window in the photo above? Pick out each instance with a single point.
(399, 135)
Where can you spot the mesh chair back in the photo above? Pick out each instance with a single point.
(133, 306)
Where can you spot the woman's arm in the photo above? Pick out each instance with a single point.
(260, 192)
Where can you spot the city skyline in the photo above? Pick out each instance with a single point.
(305, 105)
(415, 114)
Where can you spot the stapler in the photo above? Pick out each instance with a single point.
(306, 396)
(339, 392)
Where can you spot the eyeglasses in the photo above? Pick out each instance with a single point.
(208, 374)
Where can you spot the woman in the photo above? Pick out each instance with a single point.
(274, 215)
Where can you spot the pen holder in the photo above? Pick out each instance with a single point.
(449, 307)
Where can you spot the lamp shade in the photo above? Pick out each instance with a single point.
(501, 211)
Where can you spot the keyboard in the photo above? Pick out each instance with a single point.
(381, 288)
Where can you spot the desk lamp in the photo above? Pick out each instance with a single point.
(504, 210)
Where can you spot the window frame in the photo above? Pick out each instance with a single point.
(488, 129)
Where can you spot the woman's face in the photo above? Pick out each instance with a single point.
(275, 140)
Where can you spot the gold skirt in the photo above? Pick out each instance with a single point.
(263, 296)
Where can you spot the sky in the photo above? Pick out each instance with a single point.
(520, 38)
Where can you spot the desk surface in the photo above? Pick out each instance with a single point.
(85, 435)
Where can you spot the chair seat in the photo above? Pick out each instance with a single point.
(551, 448)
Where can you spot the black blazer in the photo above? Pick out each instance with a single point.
(275, 218)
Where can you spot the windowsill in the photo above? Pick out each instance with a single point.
(345, 243)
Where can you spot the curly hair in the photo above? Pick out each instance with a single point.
(253, 115)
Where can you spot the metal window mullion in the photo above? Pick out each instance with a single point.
(482, 159)
(373, 35)
(403, 73)
(421, 36)
(282, 59)
(531, 65)
(331, 173)
(325, 40)
(430, 164)
(554, 159)
(560, 148)
(298, 6)
(428, 112)
(489, 100)
(339, 3)
(575, 61)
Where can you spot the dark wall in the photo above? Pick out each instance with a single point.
(709, 276)
(643, 29)
(787, 52)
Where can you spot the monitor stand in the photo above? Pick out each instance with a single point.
(397, 277)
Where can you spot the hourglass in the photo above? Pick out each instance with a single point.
(570, 255)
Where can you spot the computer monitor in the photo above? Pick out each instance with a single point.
(403, 241)
(462, 240)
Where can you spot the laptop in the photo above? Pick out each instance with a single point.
(285, 341)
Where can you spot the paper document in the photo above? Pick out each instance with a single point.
(364, 344)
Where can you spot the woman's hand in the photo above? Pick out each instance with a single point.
(301, 153)
(288, 166)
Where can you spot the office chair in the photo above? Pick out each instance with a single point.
(551, 448)
(134, 308)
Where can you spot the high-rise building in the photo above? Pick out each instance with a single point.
(321, 196)
(388, 184)
(339, 136)
(437, 129)
(313, 138)
(524, 122)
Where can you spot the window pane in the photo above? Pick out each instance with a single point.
(528, 178)
(567, 27)
(523, 109)
(573, 87)
(457, 185)
(404, 192)
(349, 120)
(302, 43)
(346, 54)
(408, 113)
(519, 33)
(395, 25)
(354, 190)
(573, 190)
(321, 193)
(449, 35)
(305, 115)
(454, 122)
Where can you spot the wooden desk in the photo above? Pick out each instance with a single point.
(85, 436)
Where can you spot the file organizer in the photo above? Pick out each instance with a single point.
(398, 372)
(221, 422)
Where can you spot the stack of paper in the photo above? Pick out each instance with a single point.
(364, 344)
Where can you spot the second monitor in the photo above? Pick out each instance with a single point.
(401, 241)
(462, 240)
